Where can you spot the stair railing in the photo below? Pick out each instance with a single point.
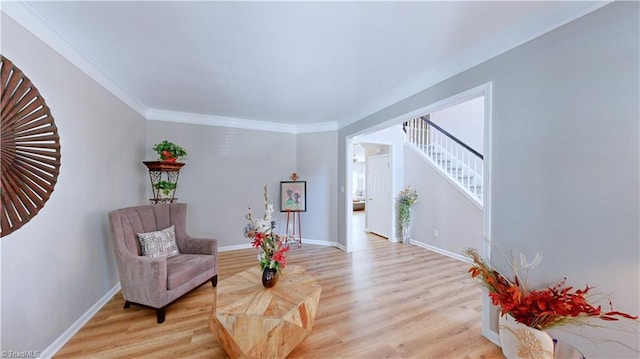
(456, 159)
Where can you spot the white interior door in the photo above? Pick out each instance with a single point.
(378, 189)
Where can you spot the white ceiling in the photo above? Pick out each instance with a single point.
(288, 63)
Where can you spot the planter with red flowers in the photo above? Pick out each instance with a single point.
(526, 314)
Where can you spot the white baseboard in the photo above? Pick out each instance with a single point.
(234, 247)
(304, 241)
(444, 252)
(321, 243)
(52, 349)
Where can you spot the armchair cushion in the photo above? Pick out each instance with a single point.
(159, 244)
(184, 267)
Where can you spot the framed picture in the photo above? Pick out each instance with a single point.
(293, 196)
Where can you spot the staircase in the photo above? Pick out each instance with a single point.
(453, 158)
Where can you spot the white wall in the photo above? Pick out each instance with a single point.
(465, 121)
(225, 172)
(61, 263)
(441, 206)
(565, 157)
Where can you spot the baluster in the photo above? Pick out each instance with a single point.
(410, 131)
(425, 125)
(415, 131)
(462, 163)
(433, 143)
(423, 141)
(437, 141)
(475, 176)
(457, 164)
(449, 153)
(420, 134)
(468, 164)
(428, 135)
(441, 145)
(482, 182)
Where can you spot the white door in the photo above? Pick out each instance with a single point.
(379, 195)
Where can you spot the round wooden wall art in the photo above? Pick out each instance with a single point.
(30, 149)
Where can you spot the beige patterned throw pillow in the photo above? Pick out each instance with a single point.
(159, 244)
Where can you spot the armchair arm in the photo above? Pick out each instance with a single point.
(192, 245)
(144, 279)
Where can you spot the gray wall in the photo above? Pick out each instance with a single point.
(565, 157)
(317, 164)
(225, 171)
(61, 263)
(441, 206)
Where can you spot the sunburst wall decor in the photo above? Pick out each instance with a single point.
(30, 148)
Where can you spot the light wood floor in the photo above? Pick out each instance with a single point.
(383, 300)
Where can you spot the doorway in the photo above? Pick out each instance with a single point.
(371, 208)
(485, 92)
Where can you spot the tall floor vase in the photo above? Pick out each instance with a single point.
(520, 341)
(406, 233)
(406, 226)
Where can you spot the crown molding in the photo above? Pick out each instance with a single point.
(317, 127)
(28, 16)
(25, 14)
(516, 35)
(222, 121)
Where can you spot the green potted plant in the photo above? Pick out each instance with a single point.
(169, 151)
(165, 189)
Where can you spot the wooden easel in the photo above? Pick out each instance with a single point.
(293, 218)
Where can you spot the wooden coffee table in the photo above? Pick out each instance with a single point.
(251, 321)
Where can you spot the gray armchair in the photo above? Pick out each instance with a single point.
(156, 282)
